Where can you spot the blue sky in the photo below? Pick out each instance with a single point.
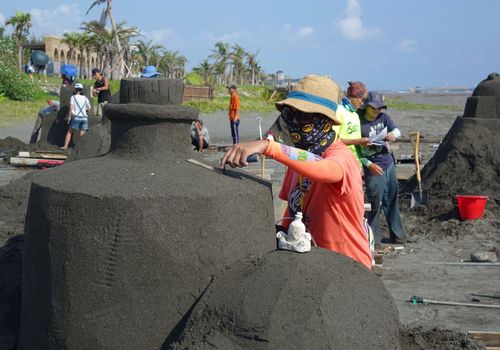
(388, 44)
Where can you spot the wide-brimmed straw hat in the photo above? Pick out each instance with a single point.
(314, 94)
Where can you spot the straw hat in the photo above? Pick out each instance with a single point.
(314, 94)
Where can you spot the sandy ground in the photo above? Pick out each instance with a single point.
(407, 272)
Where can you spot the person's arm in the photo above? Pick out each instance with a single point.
(70, 110)
(105, 86)
(303, 162)
(237, 108)
(364, 141)
(393, 131)
(88, 107)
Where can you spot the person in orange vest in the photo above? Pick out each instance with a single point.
(234, 113)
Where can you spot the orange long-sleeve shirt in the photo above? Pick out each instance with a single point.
(334, 204)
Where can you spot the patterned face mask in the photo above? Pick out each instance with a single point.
(309, 131)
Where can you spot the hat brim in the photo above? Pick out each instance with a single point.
(308, 107)
(377, 105)
(150, 75)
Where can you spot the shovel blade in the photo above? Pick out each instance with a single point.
(418, 198)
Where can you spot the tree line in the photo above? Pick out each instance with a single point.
(231, 64)
(119, 52)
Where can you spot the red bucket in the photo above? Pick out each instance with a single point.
(471, 207)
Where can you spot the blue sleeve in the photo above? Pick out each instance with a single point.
(389, 123)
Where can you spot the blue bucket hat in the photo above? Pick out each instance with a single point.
(375, 100)
(149, 72)
(69, 70)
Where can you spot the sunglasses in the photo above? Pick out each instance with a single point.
(295, 116)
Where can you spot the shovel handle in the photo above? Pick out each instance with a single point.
(417, 160)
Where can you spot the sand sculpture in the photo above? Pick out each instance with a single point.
(468, 160)
(285, 300)
(96, 141)
(118, 248)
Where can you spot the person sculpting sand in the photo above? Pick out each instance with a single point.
(323, 180)
(77, 117)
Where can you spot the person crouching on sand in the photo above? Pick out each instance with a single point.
(77, 117)
(323, 180)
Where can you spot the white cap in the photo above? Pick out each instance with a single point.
(78, 86)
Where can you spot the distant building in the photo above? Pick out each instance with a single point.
(60, 54)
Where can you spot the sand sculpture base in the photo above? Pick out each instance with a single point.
(284, 300)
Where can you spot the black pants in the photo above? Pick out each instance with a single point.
(196, 143)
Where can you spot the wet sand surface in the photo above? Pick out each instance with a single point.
(407, 272)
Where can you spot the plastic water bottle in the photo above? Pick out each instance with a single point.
(296, 228)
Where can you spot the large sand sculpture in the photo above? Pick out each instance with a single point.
(468, 160)
(284, 300)
(118, 248)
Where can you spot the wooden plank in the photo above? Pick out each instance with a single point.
(34, 161)
(23, 161)
(42, 155)
(491, 339)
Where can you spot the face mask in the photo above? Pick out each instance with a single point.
(309, 131)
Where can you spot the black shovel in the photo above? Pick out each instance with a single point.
(420, 197)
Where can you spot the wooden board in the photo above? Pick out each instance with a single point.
(34, 161)
(489, 339)
(42, 155)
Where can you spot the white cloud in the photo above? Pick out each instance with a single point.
(407, 45)
(62, 19)
(227, 37)
(351, 25)
(290, 33)
(2, 19)
(305, 32)
(162, 35)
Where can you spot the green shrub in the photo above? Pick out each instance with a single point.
(13, 84)
(194, 79)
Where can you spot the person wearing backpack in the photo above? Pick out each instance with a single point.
(77, 117)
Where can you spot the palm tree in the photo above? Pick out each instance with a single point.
(253, 65)
(78, 44)
(97, 33)
(104, 41)
(21, 22)
(237, 56)
(221, 55)
(107, 14)
(204, 69)
(148, 52)
(71, 39)
(172, 63)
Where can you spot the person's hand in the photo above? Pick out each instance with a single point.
(390, 137)
(237, 155)
(375, 169)
(365, 141)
